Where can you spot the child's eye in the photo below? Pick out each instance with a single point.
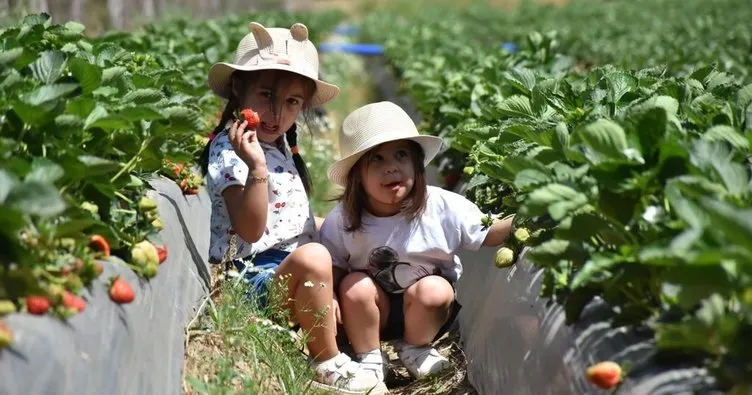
(293, 101)
(266, 94)
(401, 154)
(377, 158)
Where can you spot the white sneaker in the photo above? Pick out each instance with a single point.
(422, 361)
(378, 363)
(343, 376)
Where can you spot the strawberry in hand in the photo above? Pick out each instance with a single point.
(245, 141)
(251, 117)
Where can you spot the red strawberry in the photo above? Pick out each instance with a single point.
(121, 291)
(251, 117)
(74, 302)
(178, 169)
(605, 375)
(36, 304)
(99, 243)
(6, 335)
(162, 252)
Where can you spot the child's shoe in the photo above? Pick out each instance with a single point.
(422, 361)
(342, 375)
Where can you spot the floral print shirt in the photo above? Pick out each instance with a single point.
(289, 221)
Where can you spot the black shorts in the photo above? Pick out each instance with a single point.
(395, 323)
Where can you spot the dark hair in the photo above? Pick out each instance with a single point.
(355, 201)
(244, 80)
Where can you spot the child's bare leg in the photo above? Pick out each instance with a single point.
(312, 262)
(427, 304)
(365, 308)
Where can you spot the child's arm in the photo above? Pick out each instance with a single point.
(499, 232)
(247, 205)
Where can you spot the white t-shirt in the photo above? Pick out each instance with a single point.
(289, 220)
(398, 253)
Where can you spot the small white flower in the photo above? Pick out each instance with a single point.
(308, 284)
(652, 214)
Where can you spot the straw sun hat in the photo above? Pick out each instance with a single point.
(274, 49)
(371, 125)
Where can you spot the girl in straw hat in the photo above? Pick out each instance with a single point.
(394, 240)
(258, 186)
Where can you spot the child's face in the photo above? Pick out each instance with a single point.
(388, 176)
(291, 100)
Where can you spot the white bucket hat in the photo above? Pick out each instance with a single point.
(274, 49)
(371, 125)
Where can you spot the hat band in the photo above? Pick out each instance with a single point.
(380, 138)
(261, 59)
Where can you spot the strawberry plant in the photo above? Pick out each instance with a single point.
(633, 185)
(84, 124)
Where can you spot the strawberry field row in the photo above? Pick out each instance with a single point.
(85, 123)
(633, 183)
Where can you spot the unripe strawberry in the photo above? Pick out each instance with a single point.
(7, 307)
(144, 253)
(6, 335)
(468, 170)
(504, 257)
(605, 375)
(157, 224)
(147, 204)
(90, 207)
(522, 235)
(151, 270)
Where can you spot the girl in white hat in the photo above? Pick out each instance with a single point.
(258, 186)
(394, 240)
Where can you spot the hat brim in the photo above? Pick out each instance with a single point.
(339, 170)
(219, 80)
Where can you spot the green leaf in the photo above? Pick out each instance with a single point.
(96, 114)
(73, 227)
(605, 140)
(558, 199)
(143, 96)
(9, 56)
(735, 224)
(529, 178)
(88, 75)
(522, 79)
(651, 129)
(549, 251)
(728, 134)
(48, 93)
(49, 66)
(516, 106)
(183, 119)
(96, 165)
(44, 170)
(596, 269)
(7, 182)
(75, 27)
(111, 74)
(36, 198)
(619, 84)
(744, 96)
(690, 335)
(140, 113)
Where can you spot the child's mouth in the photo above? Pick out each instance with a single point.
(391, 185)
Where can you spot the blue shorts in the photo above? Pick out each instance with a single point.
(260, 272)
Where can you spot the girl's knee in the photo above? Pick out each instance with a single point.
(311, 257)
(431, 292)
(357, 288)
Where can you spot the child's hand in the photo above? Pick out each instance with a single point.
(246, 145)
